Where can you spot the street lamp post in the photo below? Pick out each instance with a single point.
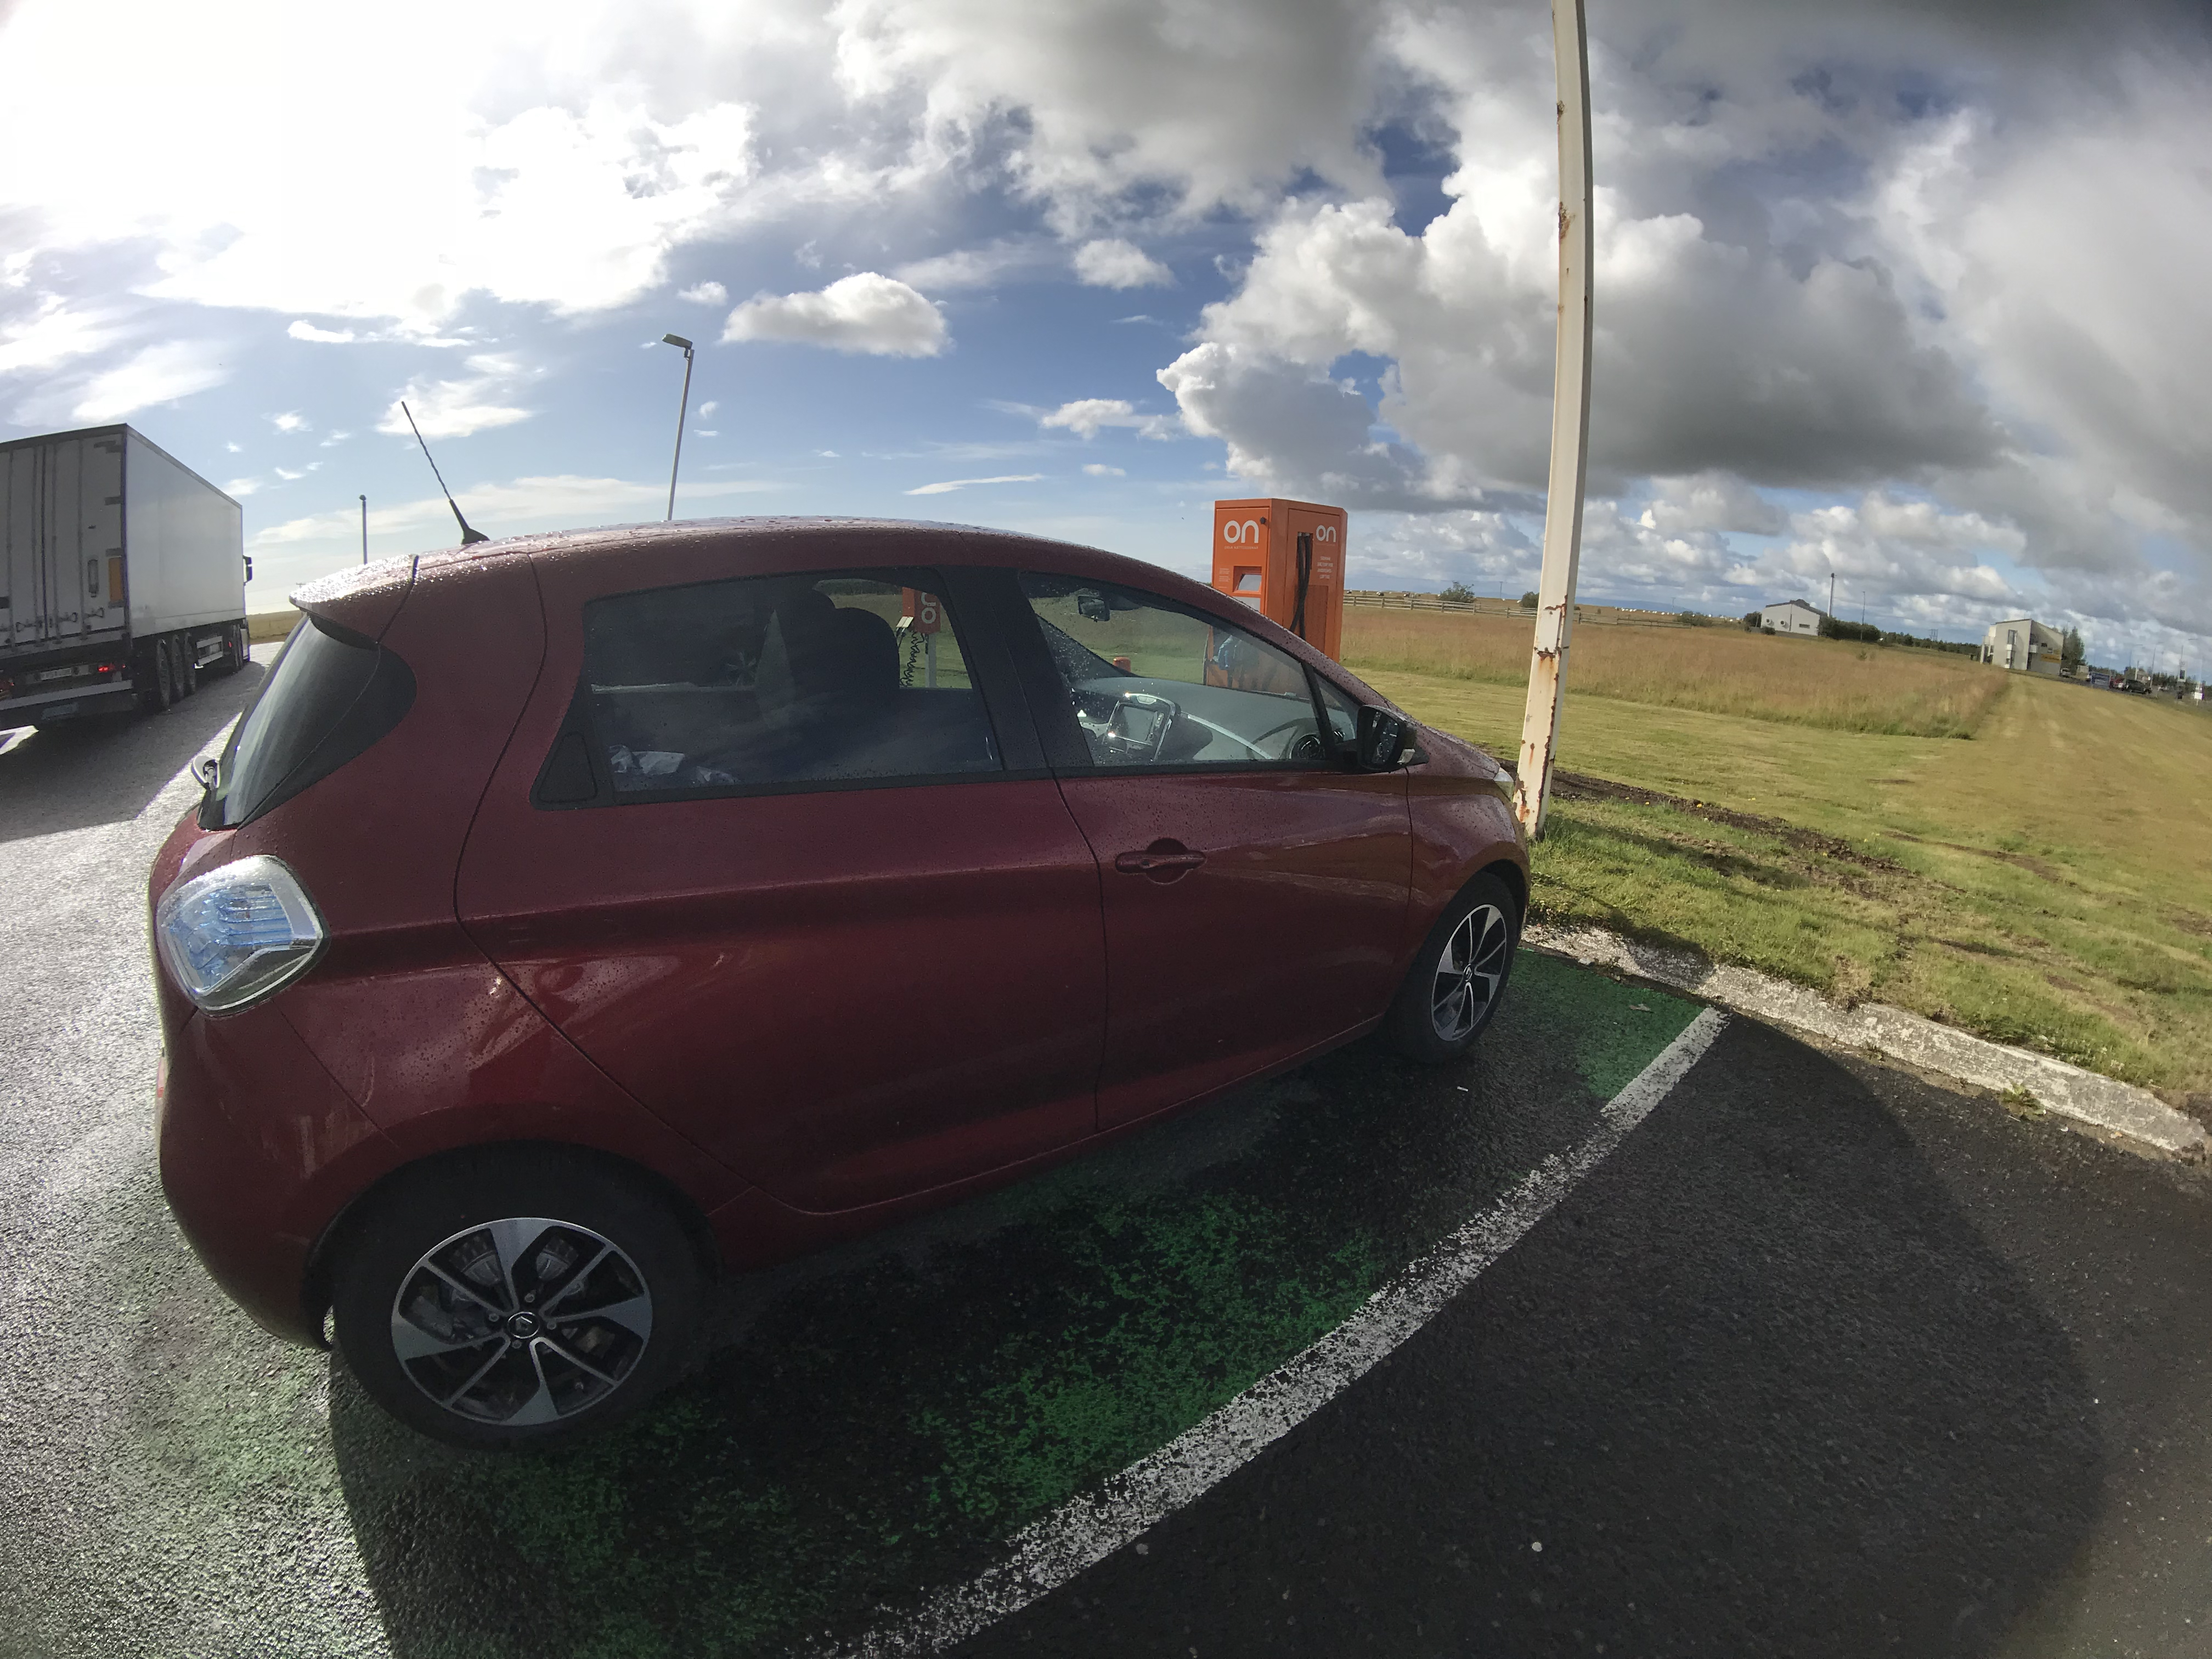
(364, 530)
(1571, 386)
(682, 408)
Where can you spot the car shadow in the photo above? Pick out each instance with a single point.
(106, 769)
(1758, 1386)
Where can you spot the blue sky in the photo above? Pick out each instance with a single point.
(1910, 299)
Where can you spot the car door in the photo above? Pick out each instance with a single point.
(1256, 889)
(782, 859)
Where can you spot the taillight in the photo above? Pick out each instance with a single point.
(240, 932)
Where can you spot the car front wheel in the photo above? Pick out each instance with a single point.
(501, 1300)
(1457, 980)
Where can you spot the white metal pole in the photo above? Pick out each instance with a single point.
(364, 530)
(1563, 505)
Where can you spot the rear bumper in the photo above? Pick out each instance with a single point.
(259, 1150)
(108, 698)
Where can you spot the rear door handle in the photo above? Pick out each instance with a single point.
(1157, 860)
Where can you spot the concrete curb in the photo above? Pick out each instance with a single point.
(2119, 1108)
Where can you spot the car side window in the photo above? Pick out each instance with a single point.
(773, 682)
(1154, 684)
(1342, 709)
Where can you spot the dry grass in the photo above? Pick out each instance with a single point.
(1720, 671)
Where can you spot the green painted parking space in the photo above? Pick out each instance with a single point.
(881, 1419)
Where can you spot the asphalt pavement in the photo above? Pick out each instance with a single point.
(1814, 1357)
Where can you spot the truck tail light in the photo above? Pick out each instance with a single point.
(239, 933)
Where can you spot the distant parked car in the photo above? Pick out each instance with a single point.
(573, 919)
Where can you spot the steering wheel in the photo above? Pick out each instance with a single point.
(1164, 712)
(1306, 748)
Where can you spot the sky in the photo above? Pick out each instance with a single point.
(1911, 295)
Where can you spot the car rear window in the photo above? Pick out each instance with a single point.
(331, 695)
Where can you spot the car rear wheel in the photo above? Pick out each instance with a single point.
(517, 1298)
(1453, 990)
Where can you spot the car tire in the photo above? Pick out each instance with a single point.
(1458, 977)
(160, 695)
(437, 1286)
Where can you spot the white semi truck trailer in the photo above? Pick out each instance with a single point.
(122, 577)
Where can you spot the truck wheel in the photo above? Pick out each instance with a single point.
(515, 1298)
(160, 695)
(185, 656)
(1458, 977)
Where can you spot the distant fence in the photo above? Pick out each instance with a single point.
(1606, 616)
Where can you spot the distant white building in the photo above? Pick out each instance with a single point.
(2023, 645)
(1790, 617)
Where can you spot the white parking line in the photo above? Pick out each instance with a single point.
(1050, 1552)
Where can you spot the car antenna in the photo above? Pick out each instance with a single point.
(469, 538)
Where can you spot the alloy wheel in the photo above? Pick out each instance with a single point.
(521, 1321)
(1470, 970)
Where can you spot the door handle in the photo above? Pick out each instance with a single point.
(1162, 856)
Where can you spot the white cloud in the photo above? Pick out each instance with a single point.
(455, 408)
(1894, 547)
(290, 421)
(51, 333)
(155, 375)
(241, 488)
(705, 293)
(866, 311)
(1099, 469)
(303, 330)
(288, 476)
(708, 408)
(950, 484)
(1486, 551)
(522, 160)
(1088, 417)
(1711, 502)
(1297, 431)
(973, 267)
(1215, 105)
(1117, 263)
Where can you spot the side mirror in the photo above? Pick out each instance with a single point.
(1383, 739)
(249, 566)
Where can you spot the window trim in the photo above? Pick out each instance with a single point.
(1069, 754)
(986, 675)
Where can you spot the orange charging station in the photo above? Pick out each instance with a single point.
(1285, 560)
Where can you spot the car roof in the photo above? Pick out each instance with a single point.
(364, 599)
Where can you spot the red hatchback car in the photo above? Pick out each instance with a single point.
(574, 919)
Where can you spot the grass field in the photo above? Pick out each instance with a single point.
(2047, 883)
(1720, 670)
